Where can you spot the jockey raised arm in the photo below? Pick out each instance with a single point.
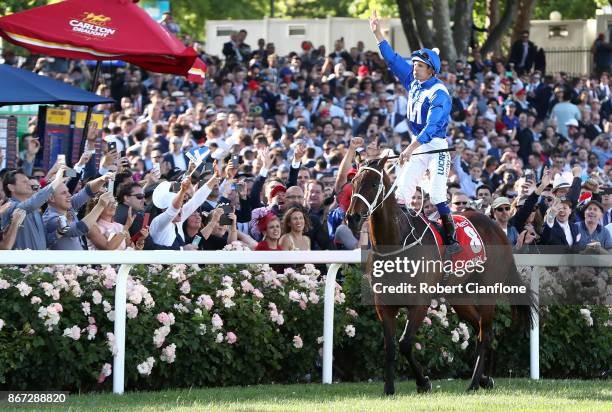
(429, 106)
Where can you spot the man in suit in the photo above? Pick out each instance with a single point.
(175, 156)
(558, 230)
(460, 104)
(340, 54)
(527, 136)
(523, 53)
(606, 200)
(393, 118)
(243, 48)
(231, 51)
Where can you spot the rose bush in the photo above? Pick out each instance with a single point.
(237, 325)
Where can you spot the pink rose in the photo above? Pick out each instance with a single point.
(205, 301)
(297, 342)
(231, 338)
(217, 322)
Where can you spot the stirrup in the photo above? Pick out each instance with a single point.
(453, 248)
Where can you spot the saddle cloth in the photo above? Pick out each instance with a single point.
(469, 239)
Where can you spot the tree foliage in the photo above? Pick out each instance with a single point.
(569, 9)
(14, 6)
(191, 15)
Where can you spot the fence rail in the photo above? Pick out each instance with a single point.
(335, 258)
(575, 61)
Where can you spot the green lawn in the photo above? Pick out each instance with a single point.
(509, 395)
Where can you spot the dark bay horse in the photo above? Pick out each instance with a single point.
(391, 227)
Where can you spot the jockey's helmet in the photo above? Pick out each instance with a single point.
(427, 56)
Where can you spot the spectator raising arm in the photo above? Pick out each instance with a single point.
(298, 154)
(347, 163)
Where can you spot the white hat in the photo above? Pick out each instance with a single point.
(231, 141)
(572, 122)
(162, 196)
(562, 180)
(490, 116)
(218, 154)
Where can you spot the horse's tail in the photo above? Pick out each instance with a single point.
(523, 314)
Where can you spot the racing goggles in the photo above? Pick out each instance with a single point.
(422, 56)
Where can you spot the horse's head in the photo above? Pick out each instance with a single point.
(368, 192)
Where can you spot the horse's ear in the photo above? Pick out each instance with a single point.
(381, 162)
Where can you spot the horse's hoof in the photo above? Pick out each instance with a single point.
(425, 387)
(472, 389)
(487, 382)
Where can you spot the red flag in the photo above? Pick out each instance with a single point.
(197, 73)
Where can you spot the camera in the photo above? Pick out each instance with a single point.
(62, 225)
(225, 220)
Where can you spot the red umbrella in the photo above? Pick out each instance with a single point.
(99, 30)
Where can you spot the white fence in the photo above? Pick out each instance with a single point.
(336, 258)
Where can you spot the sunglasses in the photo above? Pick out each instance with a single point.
(138, 196)
(549, 198)
(503, 209)
(460, 203)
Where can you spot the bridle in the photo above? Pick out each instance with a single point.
(380, 191)
(375, 204)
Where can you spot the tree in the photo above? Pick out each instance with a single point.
(453, 43)
(569, 9)
(191, 15)
(443, 36)
(496, 34)
(14, 6)
(523, 20)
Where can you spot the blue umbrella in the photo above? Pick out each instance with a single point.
(19, 86)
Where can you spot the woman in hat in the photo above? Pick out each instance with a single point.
(429, 106)
(270, 225)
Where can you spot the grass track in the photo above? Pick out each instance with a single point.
(509, 395)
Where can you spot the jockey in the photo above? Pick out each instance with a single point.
(429, 106)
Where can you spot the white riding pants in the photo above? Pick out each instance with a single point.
(412, 173)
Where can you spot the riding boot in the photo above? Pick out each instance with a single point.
(452, 246)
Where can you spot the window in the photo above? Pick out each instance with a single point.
(557, 31)
(224, 31)
(297, 30)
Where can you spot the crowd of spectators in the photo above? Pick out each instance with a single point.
(284, 136)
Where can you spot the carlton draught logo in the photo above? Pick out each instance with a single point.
(92, 24)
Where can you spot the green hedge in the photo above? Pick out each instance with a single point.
(56, 330)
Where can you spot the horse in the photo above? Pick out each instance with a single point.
(392, 227)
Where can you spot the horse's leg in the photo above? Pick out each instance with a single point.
(485, 335)
(387, 315)
(487, 381)
(406, 346)
(471, 315)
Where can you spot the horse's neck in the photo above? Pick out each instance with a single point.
(385, 226)
(394, 228)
